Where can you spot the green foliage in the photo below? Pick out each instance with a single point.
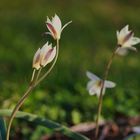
(46, 123)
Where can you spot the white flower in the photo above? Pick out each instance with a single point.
(95, 84)
(55, 27)
(126, 40)
(44, 56)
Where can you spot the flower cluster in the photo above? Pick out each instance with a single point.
(44, 56)
(47, 53)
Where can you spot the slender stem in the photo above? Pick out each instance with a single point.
(19, 104)
(27, 93)
(101, 92)
(33, 75)
(38, 74)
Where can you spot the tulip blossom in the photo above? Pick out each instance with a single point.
(55, 27)
(44, 56)
(95, 84)
(126, 40)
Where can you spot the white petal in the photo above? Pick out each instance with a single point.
(117, 33)
(132, 48)
(124, 31)
(57, 24)
(90, 84)
(109, 84)
(44, 51)
(135, 40)
(48, 20)
(52, 55)
(122, 34)
(122, 51)
(47, 53)
(92, 76)
(36, 60)
(94, 90)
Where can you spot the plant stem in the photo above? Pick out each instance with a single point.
(27, 93)
(38, 74)
(18, 105)
(33, 75)
(101, 92)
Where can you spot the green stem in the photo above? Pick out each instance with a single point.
(38, 74)
(33, 75)
(101, 92)
(27, 93)
(18, 105)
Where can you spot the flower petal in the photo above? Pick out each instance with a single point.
(135, 40)
(52, 29)
(47, 54)
(124, 31)
(122, 51)
(57, 24)
(92, 76)
(36, 59)
(109, 84)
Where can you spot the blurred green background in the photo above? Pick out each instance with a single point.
(86, 44)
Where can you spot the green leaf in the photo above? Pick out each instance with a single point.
(45, 122)
(2, 129)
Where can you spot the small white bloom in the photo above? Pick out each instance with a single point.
(126, 40)
(55, 27)
(44, 56)
(95, 84)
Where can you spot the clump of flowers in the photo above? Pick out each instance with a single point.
(42, 57)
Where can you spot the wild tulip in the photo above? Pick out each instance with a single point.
(95, 84)
(44, 56)
(55, 27)
(126, 40)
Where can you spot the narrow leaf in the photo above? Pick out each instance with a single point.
(2, 129)
(46, 123)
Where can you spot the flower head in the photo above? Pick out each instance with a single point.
(44, 56)
(95, 84)
(55, 27)
(126, 40)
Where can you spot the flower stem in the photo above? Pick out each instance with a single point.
(18, 105)
(33, 75)
(101, 92)
(27, 93)
(38, 74)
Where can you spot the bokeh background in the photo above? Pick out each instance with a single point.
(86, 44)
